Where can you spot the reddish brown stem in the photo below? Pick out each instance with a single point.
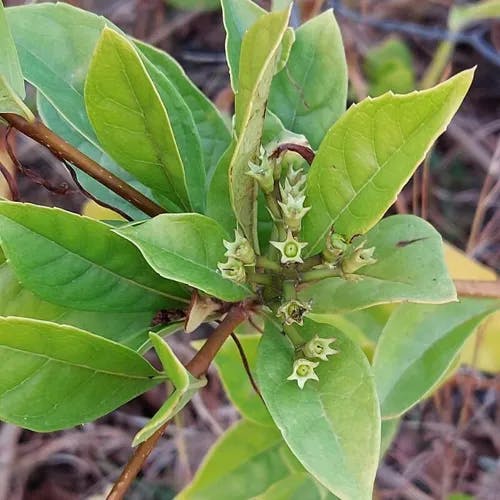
(11, 182)
(198, 366)
(65, 152)
(304, 151)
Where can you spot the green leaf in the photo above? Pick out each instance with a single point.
(129, 118)
(389, 432)
(418, 345)
(244, 462)
(10, 102)
(239, 16)
(55, 377)
(79, 262)
(235, 379)
(214, 133)
(185, 134)
(296, 486)
(55, 43)
(310, 94)
(185, 386)
(370, 153)
(260, 52)
(462, 16)
(186, 248)
(332, 426)
(129, 328)
(410, 267)
(10, 67)
(55, 121)
(389, 67)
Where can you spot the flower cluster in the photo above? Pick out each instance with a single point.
(349, 257)
(292, 199)
(303, 368)
(240, 254)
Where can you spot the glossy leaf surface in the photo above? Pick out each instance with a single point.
(94, 375)
(370, 153)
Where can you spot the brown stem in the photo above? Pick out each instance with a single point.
(11, 182)
(197, 367)
(477, 288)
(65, 152)
(304, 151)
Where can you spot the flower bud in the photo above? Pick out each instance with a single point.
(303, 370)
(233, 270)
(357, 258)
(293, 211)
(263, 173)
(335, 247)
(291, 249)
(293, 312)
(319, 348)
(240, 249)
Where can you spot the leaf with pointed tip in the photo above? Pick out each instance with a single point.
(186, 248)
(214, 132)
(185, 386)
(332, 426)
(410, 267)
(310, 94)
(80, 263)
(130, 120)
(243, 463)
(370, 153)
(55, 377)
(10, 67)
(238, 16)
(418, 346)
(260, 52)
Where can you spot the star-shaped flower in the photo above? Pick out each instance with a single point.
(319, 348)
(303, 370)
(240, 249)
(293, 312)
(291, 249)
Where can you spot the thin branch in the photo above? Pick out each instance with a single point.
(246, 365)
(304, 151)
(64, 151)
(11, 182)
(197, 367)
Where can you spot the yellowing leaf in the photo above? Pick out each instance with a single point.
(95, 211)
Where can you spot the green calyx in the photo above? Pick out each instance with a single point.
(233, 270)
(240, 249)
(291, 249)
(303, 370)
(293, 311)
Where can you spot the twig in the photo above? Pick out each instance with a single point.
(64, 151)
(304, 151)
(246, 365)
(482, 204)
(197, 367)
(11, 182)
(476, 288)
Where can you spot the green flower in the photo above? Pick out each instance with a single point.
(357, 258)
(240, 249)
(303, 370)
(291, 249)
(335, 247)
(319, 348)
(293, 211)
(293, 312)
(233, 270)
(263, 173)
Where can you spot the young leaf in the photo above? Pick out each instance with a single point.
(10, 101)
(410, 267)
(129, 328)
(260, 52)
(244, 462)
(239, 16)
(10, 67)
(214, 133)
(418, 346)
(55, 121)
(235, 379)
(129, 118)
(186, 248)
(185, 133)
(185, 386)
(332, 426)
(310, 94)
(55, 377)
(370, 153)
(79, 262)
